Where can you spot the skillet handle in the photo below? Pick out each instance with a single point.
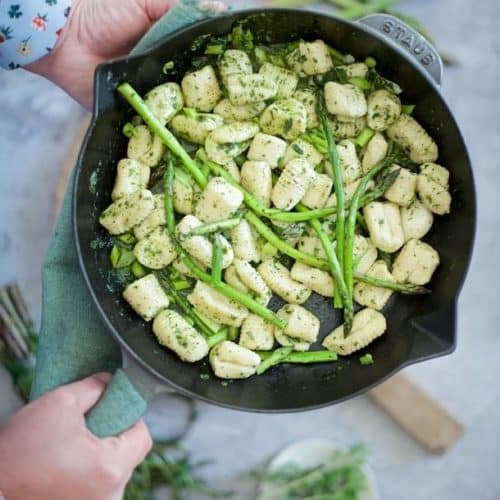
(426, 344)
(402, 37)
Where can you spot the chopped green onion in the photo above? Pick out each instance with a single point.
(367, 359)
(337, 57)
(364, 137)
(137, 270)
(181, 285)
(167, 67)
(121, 257)
(407, 109)
(127, 238)
(214, 50)
(370, 62)
(233, 333)
(360, 82)
(190, 112)
(129, 130)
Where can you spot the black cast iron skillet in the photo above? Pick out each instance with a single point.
(419, 328)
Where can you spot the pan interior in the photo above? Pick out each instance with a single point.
(418, 327)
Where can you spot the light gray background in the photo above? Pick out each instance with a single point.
(36, 124)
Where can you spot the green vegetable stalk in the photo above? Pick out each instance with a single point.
(213, 227)
(340, 197)
(217, 261)
(276, 357)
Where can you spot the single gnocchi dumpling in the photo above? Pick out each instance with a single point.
(358, 70)
(310, 58)
(256, 334)
(249, 89)
(402, 191)
(145, 147)
(365, 253)
(235, 62)
(318, 192)
(278, 279)
(216, 306)
(174, 332)
(195, 128)
(311, 245)
(232, 113)
(416, 263)
(285, 79)
(300, 148)
(219, 200)
(165, 101)
(367, 325)
(199, 247)
(371, 296)
(345, 100)
(244, 242)
(253, 281)
(317, 280)
(414, 139)
(268, 148)
(310, 101)
(232, 361)
(231, 278)
(156, 250)
(155, 219)
(131, 176)
(146, 296)
(201, 89)
(348, 129)
(183, 196)
(432, 187)
(286, 118)
(350, 165)
(301, 324)
(384, 109)
(416, 220)
(229, 141)
(128, 211)
(384, 224)
(257, 179)
(292, 184)
(375, 152)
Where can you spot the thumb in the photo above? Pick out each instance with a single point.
(155, 9)
(87, 392)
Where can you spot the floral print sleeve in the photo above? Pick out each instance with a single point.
(29, 29)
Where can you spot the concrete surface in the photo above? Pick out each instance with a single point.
(36, 121)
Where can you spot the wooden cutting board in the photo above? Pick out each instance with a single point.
(432, 426)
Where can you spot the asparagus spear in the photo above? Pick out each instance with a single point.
(351, 221)
(340, 197)
(136, 101)
(322, 356)
(276, 357)
(213, 227)
(200, 274)
(404, 288)
(217, 260)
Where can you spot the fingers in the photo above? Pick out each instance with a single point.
(85, 393)
(131, 446)
(156, 8)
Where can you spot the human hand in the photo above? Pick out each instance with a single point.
(95, 32)
(47, 452)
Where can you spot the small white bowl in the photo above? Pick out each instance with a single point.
(313, 452)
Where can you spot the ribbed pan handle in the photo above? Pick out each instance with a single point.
(403, 37)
